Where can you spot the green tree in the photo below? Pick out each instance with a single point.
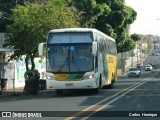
(32, 22)
(136, 37)
(112, 17)
(126, 43)
(6, 7)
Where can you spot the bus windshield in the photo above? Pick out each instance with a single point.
(70, 58)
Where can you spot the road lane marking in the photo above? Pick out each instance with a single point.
(106, 105)
(95, 105)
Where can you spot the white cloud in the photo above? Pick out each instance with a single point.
(147, 13)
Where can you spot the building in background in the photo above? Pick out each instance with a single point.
(137, 55)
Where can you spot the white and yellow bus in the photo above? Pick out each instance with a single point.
(79, 58)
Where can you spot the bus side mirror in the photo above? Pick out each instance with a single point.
(94, 48)
(41, 49)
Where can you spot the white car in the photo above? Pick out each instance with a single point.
(157, 54)
(134, 72)
(148, 67)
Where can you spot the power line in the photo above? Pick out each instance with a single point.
(4, 7)
(21, 1)
(18, 1)
(9, 17)
(6, 13)
(14, 1)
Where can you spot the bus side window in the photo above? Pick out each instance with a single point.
(106, 48)
(109, 47)
(115, 48)
(96, 62)
(112, 50)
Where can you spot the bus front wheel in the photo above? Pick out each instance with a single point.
(59, 92)
(96, 90)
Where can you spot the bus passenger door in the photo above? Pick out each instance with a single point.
(100, 67)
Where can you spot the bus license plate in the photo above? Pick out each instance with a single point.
(69, 84)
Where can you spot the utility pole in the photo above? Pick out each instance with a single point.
(137, 52)
(0, 14)
(132, 58)
(140, 50)
(123, 63)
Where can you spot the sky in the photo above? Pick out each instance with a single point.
(148, 16)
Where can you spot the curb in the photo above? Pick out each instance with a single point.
(10, 93)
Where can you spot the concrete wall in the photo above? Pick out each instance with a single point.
(16, 69)
(130, 61)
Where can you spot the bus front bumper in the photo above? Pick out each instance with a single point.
(83, 84)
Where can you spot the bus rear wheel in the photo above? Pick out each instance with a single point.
(59, 92)
(110, 86)
(112, 83)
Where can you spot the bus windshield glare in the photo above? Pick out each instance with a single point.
(70, 56)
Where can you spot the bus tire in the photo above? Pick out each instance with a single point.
(59, 92)
(110, 86)
(97, 90)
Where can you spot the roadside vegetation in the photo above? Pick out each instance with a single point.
(27, 23)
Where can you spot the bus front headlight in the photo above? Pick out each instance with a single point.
(89, 76)
(49, 77)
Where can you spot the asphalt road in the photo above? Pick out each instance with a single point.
(129, 99)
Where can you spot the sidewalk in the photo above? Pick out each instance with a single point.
(11, 92)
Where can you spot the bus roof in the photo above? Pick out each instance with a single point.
(80, 30)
